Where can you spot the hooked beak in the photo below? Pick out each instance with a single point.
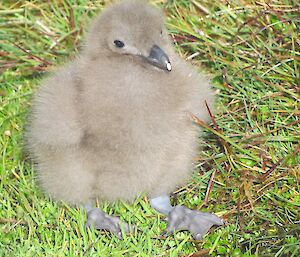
(159, 58)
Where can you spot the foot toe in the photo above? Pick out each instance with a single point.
(101, 221)
(198, 223)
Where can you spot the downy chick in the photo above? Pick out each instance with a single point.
(115, 122)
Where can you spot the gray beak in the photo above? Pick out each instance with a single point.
(159, 58)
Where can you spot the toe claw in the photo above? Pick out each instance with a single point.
(119, 235)
(198, 236)
(164, 233)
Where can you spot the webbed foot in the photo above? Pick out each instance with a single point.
(102, 221)
(198, 223)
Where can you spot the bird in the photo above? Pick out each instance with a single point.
(115, 122)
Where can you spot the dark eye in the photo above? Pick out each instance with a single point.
(119, 43)
(161, 32)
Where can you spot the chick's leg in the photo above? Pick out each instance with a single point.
(162, 204)
(100, 220)
(182, 218)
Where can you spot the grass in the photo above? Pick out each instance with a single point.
(248, 171)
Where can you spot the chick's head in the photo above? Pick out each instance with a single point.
(131, 28)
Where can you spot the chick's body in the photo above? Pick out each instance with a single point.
(110, 126)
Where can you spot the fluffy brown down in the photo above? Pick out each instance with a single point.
(110, 126)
